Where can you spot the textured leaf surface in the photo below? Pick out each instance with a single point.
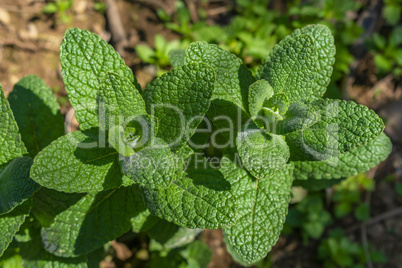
(232, 76)
(133, 135)
(11, 222)
(34, 255)
(201, 199)
(89, 222)
(233, 79)
(341, 126)
(176, 57)
(262, 154)
(272, 112)
(37, 113)
(182, 157)
(262, 209)
(85, 59)
(301, 64)
(120, 100)
(15, 184)
(79, 162)
(299, 116)
(11, 145)
(152, 166)
(278, 105)
(179, 99)
(258, 93)
(349, 163)
(233, 253)
(228, 118)
(47, 204)
(143, 219)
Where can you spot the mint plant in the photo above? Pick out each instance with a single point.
(207, 145)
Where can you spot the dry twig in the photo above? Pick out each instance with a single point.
(119, 36)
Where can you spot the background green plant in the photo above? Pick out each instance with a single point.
(60, 9)
(254, 30)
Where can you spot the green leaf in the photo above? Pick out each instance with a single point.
(153, 166)
(258, 93)
(228, 118)
(133, 135)
(34, 255)
(395, 38)
(11, 222)
(179, 99)
(183, 156)
(232, 77)
(170, 259)
(198, 254)
(200, 199)
(398, 59)
(89, 221)
(349, 163)
(342, 209)
(11, 259)
(277, 106)
(119, 101)
(177, 57)
(143, 220)
(392, 13)
(85, 59)
(230, 98)
(262, 209)
(341, 126)
(50, 8)
(168, 235)
(160, 43)
(301, 64)
(37, 113)
(232, 252)
(15, 184)
(312, 184)
(299, 116)
(145, 53)
(362, 212)
(383, 64)
(379, 41)
(79, 162)
(47, 204)
(313, 229)
(10, 138)
(262, 153)
(122, 112)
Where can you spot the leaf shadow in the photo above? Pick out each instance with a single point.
(163, 231)
(37, 113)
(108, 217)
(227, 115)
(95, 150)
(48, 203)
(207, 176)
